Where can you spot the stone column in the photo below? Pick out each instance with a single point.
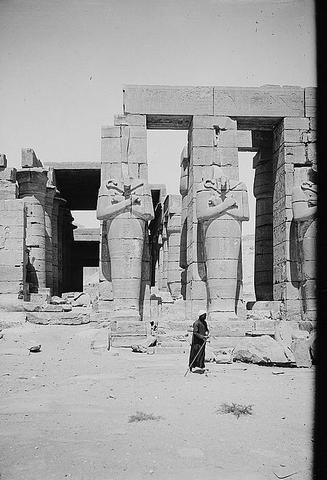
(61, 243)
(49, 237)
(55, 241)
(213, 140)
(32, 188)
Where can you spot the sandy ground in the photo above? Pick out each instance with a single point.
(65, 413)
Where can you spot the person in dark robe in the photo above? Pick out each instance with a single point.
(199, 338)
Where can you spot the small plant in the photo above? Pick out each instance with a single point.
(143, 417)
(236, 409)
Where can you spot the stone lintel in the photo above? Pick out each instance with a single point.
(168, 100)
(263, 101)
(73, 165)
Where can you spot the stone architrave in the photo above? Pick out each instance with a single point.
(126, 206)
(304, 206)
(221, 207)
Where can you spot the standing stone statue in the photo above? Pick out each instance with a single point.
(304, 204)
(221, 207)
(126, 206)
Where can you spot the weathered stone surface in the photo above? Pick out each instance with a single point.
(29, 159)
(261, 350)
(221, 206)
(58, 318)
(300, 349)
(263, 101)
(148, 99)
(3, 161)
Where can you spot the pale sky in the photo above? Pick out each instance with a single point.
(63, 65)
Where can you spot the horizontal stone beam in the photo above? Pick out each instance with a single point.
(73, 165)
(265, 101)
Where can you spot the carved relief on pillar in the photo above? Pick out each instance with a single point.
(221, 207)
(304, 205)
(126, 206)
(172, 221)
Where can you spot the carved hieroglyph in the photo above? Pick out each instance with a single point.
(221, 207)
(304, 204)
(126, 206)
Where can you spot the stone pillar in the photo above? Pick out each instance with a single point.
(125, 206)
(263, 192)
(8, 187)
(68, 238)
(32, 188)
(49, 237)
(172, 219)
(294, 154)
(61, 243)
(55, 242)
(183, 188)
(213, 140)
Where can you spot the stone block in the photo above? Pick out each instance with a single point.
(137, 131)
(261, 350)
(244, 140)
(58, 318)
(132, 120)
(310, 101)
(296, 123)
(300, 349)
(229, 327)
(202, 156)
(264, 101)
(174, 100)
(110, 150)
(110, 132)
(202, 137)
(225, 157)
(3, 161)
(137, 151)
(7, 175)
(29, 159)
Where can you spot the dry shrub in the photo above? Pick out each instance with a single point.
(143, 417)
(236, 409)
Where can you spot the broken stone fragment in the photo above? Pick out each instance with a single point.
(58, 318)
(261, 350)
(57, 300)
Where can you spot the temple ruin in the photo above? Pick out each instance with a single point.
(162, 257)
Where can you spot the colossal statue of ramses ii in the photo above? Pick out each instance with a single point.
(304, 204)
(221, 207)
(126, 206)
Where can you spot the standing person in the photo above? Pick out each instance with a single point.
(200, 335)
